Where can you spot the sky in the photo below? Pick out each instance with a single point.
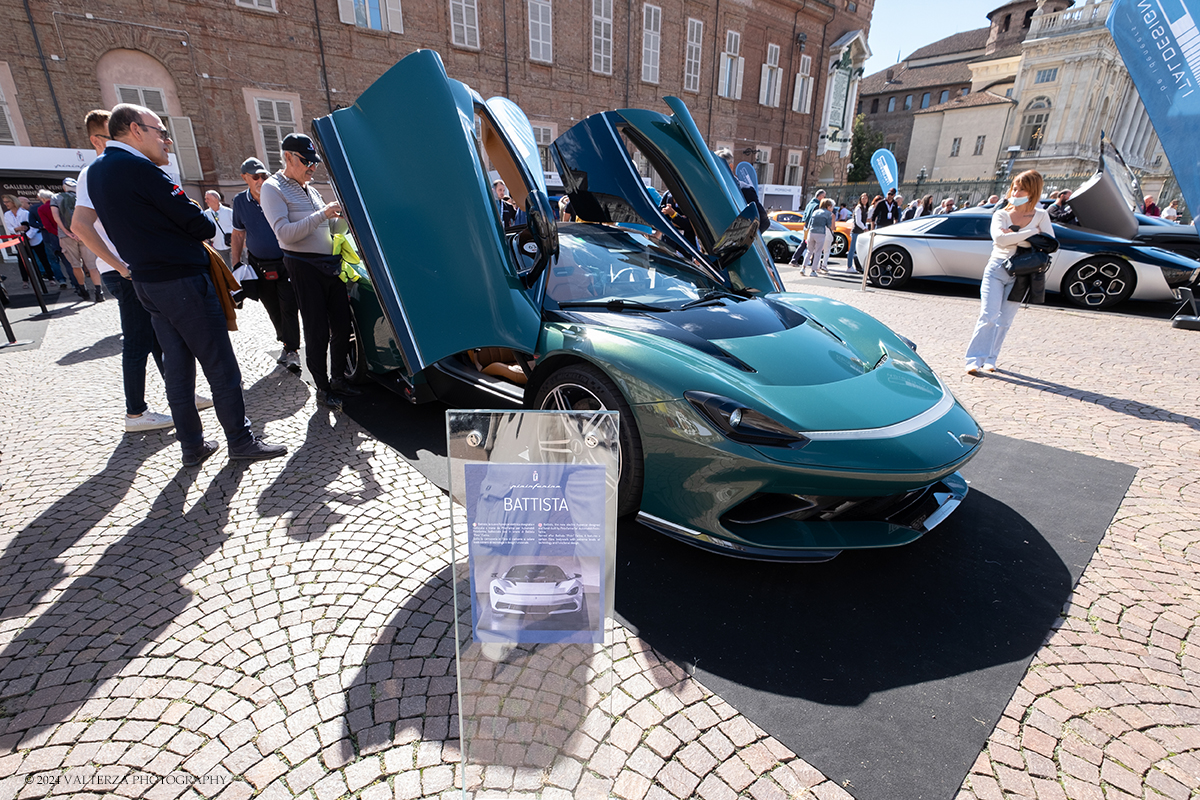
(905, 25)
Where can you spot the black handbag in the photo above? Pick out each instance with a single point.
(1033, 259)
(1027, 262)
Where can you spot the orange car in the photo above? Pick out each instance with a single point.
(794, 220)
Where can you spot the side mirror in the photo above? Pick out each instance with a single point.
(495, 574)
(578, 574)
(544, 228)
(737, 238)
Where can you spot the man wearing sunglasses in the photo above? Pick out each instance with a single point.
(254, 241)
(305, 224)
(159, 232)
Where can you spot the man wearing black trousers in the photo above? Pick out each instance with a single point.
(252, 235)
(160, 234)
(303, 224)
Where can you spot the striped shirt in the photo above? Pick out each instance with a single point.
(296, 214)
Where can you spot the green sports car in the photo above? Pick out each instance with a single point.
(754, 422)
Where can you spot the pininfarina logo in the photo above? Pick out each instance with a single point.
(1173, 36)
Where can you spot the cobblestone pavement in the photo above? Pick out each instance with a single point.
(284, 629)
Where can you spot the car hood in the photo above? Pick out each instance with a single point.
(405, 162)
(797, 354)
(1106, 201)
(596, 162)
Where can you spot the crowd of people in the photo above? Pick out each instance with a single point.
(129, 228)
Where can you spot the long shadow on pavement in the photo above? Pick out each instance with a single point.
(29, 566)
(115, 611)
(311, 484)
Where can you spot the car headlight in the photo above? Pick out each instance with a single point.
(497, 590)
(574, 591)
(743, 424)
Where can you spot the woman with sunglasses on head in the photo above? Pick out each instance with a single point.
(305, 225)
(1016, 220)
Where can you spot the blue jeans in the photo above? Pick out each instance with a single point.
(191, 327)
(54, 255)
(137, 341)
(996, 314)
(853, 245)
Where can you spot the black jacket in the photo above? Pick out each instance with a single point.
(155, 227)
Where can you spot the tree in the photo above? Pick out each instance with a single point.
(866, 140)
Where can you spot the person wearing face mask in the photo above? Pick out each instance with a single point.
(1012, 224)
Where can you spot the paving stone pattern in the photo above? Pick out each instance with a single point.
(285, 629)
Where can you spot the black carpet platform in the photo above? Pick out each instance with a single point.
(887, 669)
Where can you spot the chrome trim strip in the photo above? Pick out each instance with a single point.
(944, 511)
(939, 410)
(681, 530)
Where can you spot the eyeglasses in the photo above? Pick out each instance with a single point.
(163, 133)
(259, 177)
(103, 136)
(306, 162)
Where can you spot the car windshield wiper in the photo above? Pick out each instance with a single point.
(710, 296)
(616, 304)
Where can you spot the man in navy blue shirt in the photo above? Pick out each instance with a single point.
(252, 235)
(160, 234)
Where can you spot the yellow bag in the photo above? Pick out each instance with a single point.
(343, 245)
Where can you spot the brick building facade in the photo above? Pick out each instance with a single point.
(767, 78)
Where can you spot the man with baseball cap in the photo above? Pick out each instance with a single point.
(254, 239)
(304, 225)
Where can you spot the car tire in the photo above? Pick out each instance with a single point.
(779, 251)
(356, 356)
(840, 245)
(582, 387)
(891, 267)
(1098, 282)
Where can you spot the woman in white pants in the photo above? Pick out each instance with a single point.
(820, 239)
(1011, 225)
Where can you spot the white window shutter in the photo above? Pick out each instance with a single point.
(185, 148)
(741, 71)
(346, 11)
(7, 136)
(763, 85)
(155, 101)
(395, 19)
(126, 94)
(776, 88)
(724, 77)
(798, 92)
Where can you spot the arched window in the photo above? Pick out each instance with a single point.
(1033, 124)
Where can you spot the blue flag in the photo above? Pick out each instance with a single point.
(1160, 44)
(745, 171)
(886, 171)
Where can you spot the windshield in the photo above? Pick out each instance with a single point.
(536, 573)
(775, 226)
(598, 263)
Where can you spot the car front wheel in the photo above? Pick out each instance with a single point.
(779, 251)
(840, 245)
(582, 387)
(1099, 282)
(356, 357)
(891, 267)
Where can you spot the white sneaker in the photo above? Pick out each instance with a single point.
(203, 402)
(148, 421)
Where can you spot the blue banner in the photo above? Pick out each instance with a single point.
(886, 171)
(745, 171)
(1160, 44)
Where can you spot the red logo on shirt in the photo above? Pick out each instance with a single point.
(176, 189)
